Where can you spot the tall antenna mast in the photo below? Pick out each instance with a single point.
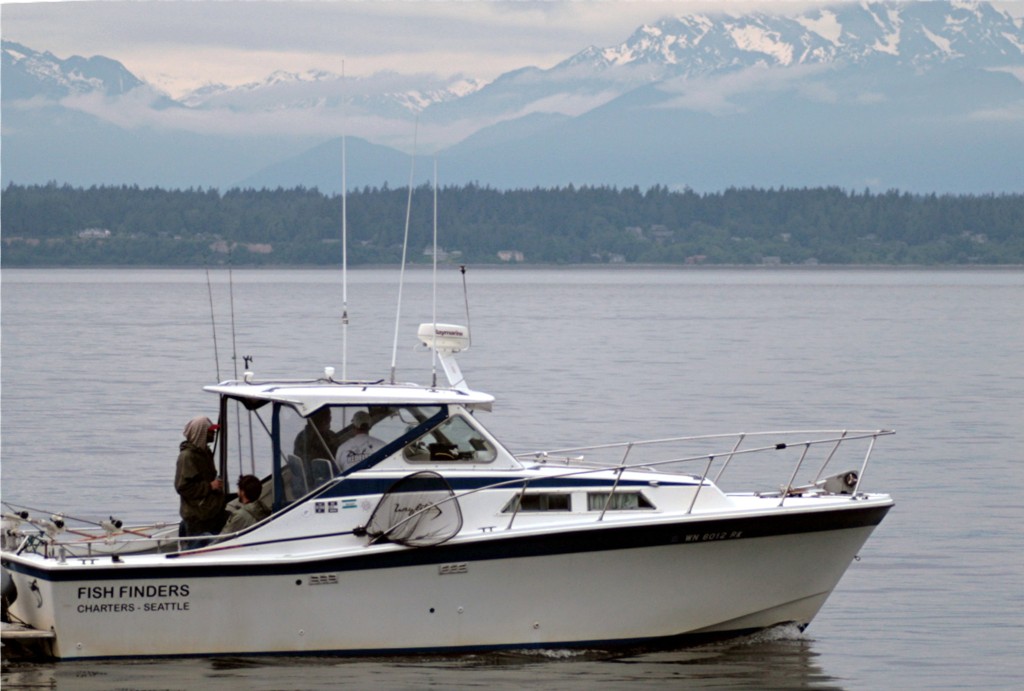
(405, 248)
(433, 349)
(231, 300)
(234, 361)
(344, 231)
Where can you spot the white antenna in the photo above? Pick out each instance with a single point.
(234, 360)
(405, 248)
(433, 349)
(344, 232)
(445, 340)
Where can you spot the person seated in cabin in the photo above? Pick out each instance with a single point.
(254, 506)
(196, 482)
(317, 440)
(360, 444)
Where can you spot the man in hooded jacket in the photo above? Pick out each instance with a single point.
(196, 481)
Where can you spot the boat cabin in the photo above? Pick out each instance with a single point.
(299, 436)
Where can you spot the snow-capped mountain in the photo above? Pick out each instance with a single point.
(916, 35)
(911, 34)
(918, 95)
(234, 96)
(382, 93)
(842, 39)
(27, 73)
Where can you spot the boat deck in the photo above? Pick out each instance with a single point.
(13, 632)
(24, 642)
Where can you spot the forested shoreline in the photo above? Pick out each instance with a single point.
(55, 225)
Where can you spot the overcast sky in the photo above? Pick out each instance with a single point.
(180, 45)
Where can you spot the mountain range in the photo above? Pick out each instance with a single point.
(917, 96)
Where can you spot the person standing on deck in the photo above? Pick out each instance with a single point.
(196, 481)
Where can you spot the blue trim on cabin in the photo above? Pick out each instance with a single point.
(362, 486)
(278, 458)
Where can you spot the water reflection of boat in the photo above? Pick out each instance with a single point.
(441, 539)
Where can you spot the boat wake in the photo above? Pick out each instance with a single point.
(782, 632)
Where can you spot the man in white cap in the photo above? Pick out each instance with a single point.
(359, 445)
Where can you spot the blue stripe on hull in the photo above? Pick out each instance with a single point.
(598, 538)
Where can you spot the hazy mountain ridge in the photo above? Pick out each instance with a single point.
(912, 95)
(917, 34)
(318, 88)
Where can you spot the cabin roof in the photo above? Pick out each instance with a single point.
(307, 396)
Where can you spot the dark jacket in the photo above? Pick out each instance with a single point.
(200, 504)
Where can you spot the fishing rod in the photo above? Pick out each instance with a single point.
(20, 512)
(24, 516)
(213, 322)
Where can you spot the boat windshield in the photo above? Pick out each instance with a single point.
(452, 440)
(333, 439)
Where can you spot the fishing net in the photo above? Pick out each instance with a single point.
(419, 510)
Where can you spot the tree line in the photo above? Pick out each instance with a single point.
(61, 225)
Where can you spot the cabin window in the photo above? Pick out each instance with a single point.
(453, 440)
(535, 502)
(620, 501)
(332, 439)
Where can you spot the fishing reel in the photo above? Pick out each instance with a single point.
(111, 525)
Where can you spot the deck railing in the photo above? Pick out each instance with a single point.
(60, 542)
(570, 458)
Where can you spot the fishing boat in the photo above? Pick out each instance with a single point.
(394, 522)
(436, 538)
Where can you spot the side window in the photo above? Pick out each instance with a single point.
(533, 502)
(452, 440)
(620, 501)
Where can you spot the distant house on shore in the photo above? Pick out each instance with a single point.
(510, 256)
(94, 234)
(441, 254)
(222, 247)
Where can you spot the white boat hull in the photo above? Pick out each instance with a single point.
(661, 583)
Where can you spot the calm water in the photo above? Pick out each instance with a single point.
(101, 369)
